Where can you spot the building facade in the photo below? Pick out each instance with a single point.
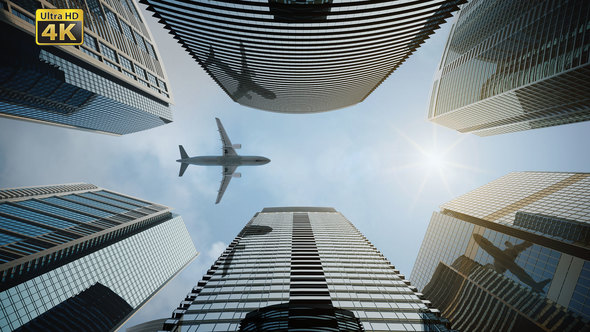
(514, 65)
(515, 245)
(305, 269)
(60, 244)
(300, 56)
(114, 83)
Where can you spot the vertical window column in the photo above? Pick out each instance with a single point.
(308, 283)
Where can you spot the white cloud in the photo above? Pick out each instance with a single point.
(216, 250)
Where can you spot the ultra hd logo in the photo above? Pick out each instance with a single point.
(59, 27)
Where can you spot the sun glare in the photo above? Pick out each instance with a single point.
(434, 160)
(430, 162)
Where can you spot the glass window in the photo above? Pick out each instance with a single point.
(127, 31)
(109, 53)
(126, 63)
(112, 19)
(90, 42)
(34, 216)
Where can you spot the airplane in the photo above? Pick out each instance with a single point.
(244, 78)
(229, 161)
(505, 260)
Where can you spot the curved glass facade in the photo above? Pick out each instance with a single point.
(514, 65)
(525, 235)
(300, 56)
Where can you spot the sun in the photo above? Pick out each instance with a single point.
(431, 161)
(434, 160)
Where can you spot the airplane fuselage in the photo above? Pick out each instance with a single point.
(228, 160)
(505, 261)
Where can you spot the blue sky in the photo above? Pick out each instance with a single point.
(364, 160)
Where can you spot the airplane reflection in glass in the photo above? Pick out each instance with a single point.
(229, 161)
(505, 260)
(244, 78)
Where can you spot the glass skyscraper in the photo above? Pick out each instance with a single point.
(304, 56)
(517, 247)
(304, 269)
(63, 246)
(114, 83)
(514, 65)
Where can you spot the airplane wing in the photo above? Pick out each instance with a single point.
(240, 92)
(499, 267)
(514, 251)
(227, 175)
(264, 92)
(227, 146)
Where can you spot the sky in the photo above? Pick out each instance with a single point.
(380, 163)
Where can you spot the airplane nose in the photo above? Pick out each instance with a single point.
(266, 160)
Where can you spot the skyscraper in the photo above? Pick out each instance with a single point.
(302, 268)
(517, 247)
(68, 247)
(114, 83)
(514, 65)
(301, 56)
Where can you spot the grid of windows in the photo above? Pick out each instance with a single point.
(39, 205)
(90, 42)
(76, 206)
(149, 109)
(515, 250)
(580, 302)
(109, 53)
(267, 264)
(134, 268)
(514, 65)
(63, 217)
(139, 40)
(127, 31)
(561, 195)
(446, 239)
(15, 211)
(127, 64)
(112, 19)
(21, 228)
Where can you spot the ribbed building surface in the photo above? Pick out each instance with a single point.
(303, 269)
(114, 83)
(514, 65)
(525, 227)
(57, 241)
(300, 56)
(465, 285)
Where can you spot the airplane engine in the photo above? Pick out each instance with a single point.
(237, 175)
(236, 146)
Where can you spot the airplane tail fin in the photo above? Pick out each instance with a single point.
(183, 167)
(541, 284)
(183, 154)
(210, 57)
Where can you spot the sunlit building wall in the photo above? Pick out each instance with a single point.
(514, 65)
(305, 268)
(500, 227)
(58, 242)
(476, 298)
(301, 56)
(114, 83)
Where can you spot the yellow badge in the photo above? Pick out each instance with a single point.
(59, 27)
